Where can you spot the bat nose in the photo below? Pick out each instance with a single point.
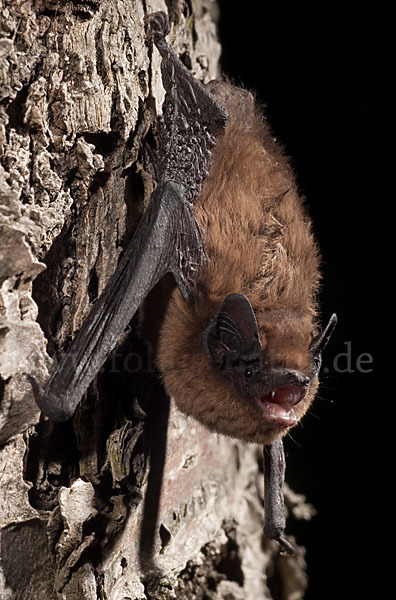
(298, 378)
(282, 377)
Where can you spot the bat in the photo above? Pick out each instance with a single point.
(227, 267)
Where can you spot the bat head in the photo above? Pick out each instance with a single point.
(280, 386)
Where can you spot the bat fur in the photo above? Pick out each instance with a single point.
(258, 241)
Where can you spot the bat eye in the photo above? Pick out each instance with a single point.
(248, 373)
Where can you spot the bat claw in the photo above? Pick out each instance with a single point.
(286, 546)
(157, 25)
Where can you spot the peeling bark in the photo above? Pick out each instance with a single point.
(81, 514)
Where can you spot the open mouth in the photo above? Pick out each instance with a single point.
(277, 405)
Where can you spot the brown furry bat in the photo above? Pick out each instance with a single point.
(235, 329)
(258, 242)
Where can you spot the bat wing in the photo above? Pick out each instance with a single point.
(149, 256)
(167, 239)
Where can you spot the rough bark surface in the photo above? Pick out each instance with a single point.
(81, 516)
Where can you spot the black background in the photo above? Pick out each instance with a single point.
(321, 78)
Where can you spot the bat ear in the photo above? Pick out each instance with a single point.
(232, 334)
(319, 343)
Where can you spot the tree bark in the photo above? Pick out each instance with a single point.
(82, 514)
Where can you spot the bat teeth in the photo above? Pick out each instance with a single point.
(277, 405)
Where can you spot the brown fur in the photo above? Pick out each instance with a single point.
(258, 242)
